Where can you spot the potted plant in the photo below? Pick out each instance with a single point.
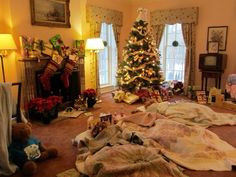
(89, 96)
(44, 109)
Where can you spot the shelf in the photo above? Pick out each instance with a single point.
(35, 59)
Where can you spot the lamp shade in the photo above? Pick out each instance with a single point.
(94, 44)
(7, 42)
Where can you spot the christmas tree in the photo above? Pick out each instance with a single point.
(141, 61)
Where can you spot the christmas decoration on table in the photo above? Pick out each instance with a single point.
(141, 60)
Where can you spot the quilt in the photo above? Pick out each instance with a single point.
(190, 113)
(168, 146)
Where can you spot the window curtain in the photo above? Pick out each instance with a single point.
(188, 18)
(188, 30)
(158, 32)
(98, 15)
(95, 16)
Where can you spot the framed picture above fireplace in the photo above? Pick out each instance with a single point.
(50, 13)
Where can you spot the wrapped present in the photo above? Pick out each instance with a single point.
(231, 85)
(130, 98)
(57, 43)
(119, 96)
(56, 57)
(143, 94)
(48, 49)
(156, 95)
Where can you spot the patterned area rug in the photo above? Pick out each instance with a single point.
(69, 173)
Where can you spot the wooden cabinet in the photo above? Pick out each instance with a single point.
(211, 74)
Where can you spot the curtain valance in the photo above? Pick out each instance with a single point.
(172, 16)
(98, 15)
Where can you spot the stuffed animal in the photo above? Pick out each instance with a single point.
(25, 150)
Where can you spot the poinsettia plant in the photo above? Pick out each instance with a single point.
(44, 104)
(89, 93)
(44, 109)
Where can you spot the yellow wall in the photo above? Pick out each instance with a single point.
(16, 18)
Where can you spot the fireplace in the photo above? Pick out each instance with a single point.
(57, 88)
(32, 68)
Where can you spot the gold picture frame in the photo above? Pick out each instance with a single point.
(218, 34)
(51, 13)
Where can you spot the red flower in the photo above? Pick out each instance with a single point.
(89, 93)
(44, 104)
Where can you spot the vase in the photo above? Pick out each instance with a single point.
(91, 102)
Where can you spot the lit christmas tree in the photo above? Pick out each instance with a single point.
(141, 61)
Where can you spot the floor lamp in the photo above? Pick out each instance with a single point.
(94, 45)
(6, 43)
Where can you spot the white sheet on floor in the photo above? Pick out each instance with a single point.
(192, 114)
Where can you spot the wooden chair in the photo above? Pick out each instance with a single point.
(17, 114)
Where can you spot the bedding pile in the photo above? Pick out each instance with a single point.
(190, 113)
(167, 145)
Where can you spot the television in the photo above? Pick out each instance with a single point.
(212, 62)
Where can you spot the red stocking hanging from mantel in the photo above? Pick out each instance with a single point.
(69, 66)
(51, 67)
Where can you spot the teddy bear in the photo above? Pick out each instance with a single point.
(25, 150)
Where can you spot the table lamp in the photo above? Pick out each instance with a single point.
(6, 43)
(94, 45)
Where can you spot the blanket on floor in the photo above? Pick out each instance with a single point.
(6, 167)
(191, 147)
(192, 114)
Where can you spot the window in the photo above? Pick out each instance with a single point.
(108, 57)
(172, 49)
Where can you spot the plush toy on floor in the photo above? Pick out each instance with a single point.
(26, 150)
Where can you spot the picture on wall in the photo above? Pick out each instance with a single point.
(50, 13)
(217, 34)
(213, 47)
